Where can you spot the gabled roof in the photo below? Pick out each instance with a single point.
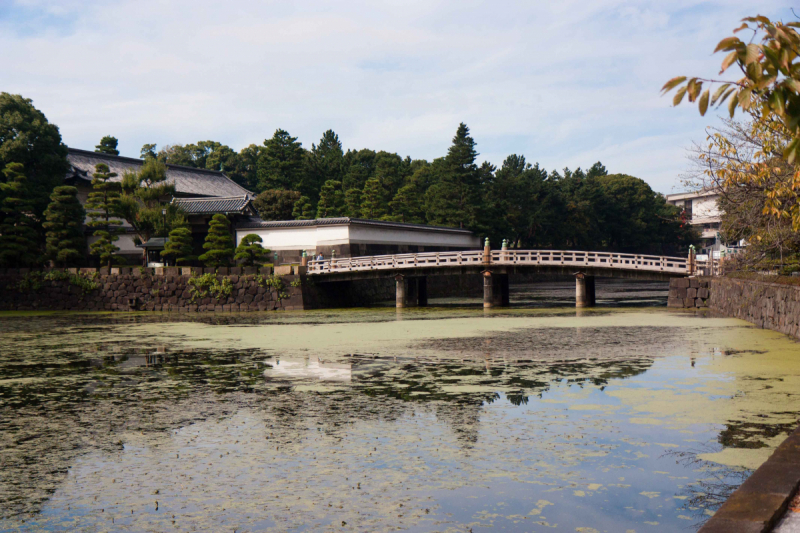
(187, 180)
(255, 222)
(227, 205)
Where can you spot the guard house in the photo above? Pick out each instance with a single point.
(352, 237)
(200, 193)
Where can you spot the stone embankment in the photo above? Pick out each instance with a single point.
(774, 306)
(148, 289)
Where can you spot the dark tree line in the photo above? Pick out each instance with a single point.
(520, 202)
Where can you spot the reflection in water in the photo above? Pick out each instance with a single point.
(445, 420)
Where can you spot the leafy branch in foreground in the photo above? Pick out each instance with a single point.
(770, 79)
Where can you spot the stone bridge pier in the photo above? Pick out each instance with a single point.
(411, 291)
(495, 289)
(584, 290)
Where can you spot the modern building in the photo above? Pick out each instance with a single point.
(200, 193)
(701, 209)
(352, 237)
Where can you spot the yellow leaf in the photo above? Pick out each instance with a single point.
(671, 84)
(732, 104)
(727, 43)
(719, 92)
(751, 53)
(679, 96)
(703, 103)
(729, 60)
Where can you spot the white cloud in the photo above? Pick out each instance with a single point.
(564, 83)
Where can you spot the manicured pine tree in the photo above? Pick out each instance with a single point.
(352, 203)
(219, 244)
(303, 209)
(331, 200)
(19, 240)
(250, 252)
(102, 204)
(64, 218)
(178, 248)
(108, 145)
(372, 205)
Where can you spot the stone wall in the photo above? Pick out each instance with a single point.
(688, 292)
(168, 289)
(774, 306)
(145, 289)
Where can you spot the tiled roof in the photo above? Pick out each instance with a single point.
(255, 222)
(187, 180)
(208, 206)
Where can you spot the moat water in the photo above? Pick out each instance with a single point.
(628, 417)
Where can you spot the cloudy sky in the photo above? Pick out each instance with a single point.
(566, 83)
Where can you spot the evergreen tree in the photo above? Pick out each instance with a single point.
(108, 145)
(352, 203)
(178, 248)
(455, 199)
(102, 203)
(324, 162)
(148, 151)
(64, 224)
(26, 137)
(406, 205)
(372, 204)
(246, 173)
(280, 165)
(331, 200)
(219, 244)
(250, 252)
(145, 196)
(19, 239)
(303, 209)
(274, 204)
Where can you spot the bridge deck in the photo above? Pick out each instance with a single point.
(475, 258)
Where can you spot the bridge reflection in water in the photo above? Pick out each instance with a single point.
(410, 271)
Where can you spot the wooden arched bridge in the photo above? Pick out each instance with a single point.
(411, 270)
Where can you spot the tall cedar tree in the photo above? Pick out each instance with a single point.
(274, 204)
(65, 243)
(26, 137)
(303, 209)
(331, 200)
(324, 162)
(250, 252)
(108, 145)
(280, 164)
(372, 204)
(219, 244)
(178, 249)
(20, 244)
(102, 204)
(455, 199)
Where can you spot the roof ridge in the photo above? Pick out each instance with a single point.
(101, 155)
(210, 198)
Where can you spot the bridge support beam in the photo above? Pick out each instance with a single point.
(410, 292)
(584, 290)
(400, 290)
(495, 289)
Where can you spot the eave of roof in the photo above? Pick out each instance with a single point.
(216, 204)
(255, 223)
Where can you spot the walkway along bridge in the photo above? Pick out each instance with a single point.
(410, 271)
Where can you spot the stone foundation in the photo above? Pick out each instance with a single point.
(688, 293)
(774, 306)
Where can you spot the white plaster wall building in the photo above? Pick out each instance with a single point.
(352, 237)
(702, 211)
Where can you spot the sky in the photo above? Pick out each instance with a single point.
(564, 83)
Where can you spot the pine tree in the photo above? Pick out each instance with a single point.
(219, 244)
(280, 163)
(455, 199)
(19, 240)
(108, 145)
(331, 200)
(352, 203)
(324, 162)
(102, 204)
(372, 205)
(250, 252)
(178, 247)
(407, 206)
(274, 204)
(64, 224)
(303, 209)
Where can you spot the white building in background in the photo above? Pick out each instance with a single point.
(702, 211)
(352, 237)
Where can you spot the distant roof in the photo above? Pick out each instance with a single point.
(692, 194)
(255, 222)
(187, 180)
(154, 242)
(242, 205)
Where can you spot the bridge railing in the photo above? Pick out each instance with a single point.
(651, 263)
